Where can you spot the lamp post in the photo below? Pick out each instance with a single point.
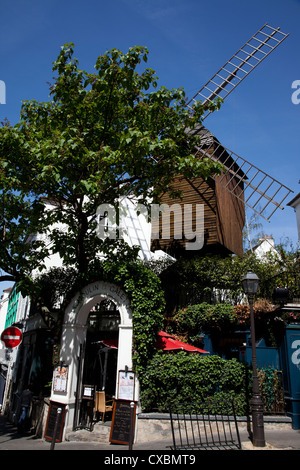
(250, 286)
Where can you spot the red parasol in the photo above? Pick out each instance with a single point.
(167, 342)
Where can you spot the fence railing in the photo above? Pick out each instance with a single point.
(201, 426)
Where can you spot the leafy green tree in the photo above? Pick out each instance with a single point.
(214, 279)
(101, 136)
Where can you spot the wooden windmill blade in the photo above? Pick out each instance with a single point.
(246, 59)
(241, 184)
(255, 188)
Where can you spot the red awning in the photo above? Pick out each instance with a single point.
(167, 342)
(112, 343)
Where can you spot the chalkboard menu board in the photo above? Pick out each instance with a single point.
(51, 419)
(121, 421)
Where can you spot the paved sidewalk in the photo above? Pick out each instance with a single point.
(277, 438)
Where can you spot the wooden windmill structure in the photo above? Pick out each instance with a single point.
(242, 184)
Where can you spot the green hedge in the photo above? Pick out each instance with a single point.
(188, 378)
(206, 317)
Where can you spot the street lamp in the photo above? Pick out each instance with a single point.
(250, 286)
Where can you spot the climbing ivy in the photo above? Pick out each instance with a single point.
(143, 288)
(271, 389)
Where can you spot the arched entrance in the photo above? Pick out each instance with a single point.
(100, 359)
(99, 362)
(80, 329)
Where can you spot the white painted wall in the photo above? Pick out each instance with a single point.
(265, 245)
(295, 204)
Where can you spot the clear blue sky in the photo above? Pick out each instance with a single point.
(188, 41)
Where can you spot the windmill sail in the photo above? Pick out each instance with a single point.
(246, 59)
(257, 189)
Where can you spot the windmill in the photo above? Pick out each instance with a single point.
(242, 183)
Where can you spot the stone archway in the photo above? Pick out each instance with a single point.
(74, 334)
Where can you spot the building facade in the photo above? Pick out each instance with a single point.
(295, 204)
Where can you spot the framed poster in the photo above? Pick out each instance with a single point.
(88, 391)
(126, 385)
(60, 379)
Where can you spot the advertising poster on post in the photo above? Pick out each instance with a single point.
(126, 385)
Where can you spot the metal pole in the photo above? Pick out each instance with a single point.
(105, 369)
(256, 401)
(59, 410)
(78, 398)
(131, 425)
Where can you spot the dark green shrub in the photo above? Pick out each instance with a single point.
(188, 378)
(206, 317)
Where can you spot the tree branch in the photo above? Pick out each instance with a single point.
(7, 277)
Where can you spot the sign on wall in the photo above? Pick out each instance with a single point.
(126, 385)
(11, 337)
(60, 379)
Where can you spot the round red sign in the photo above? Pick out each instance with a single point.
(11, 337)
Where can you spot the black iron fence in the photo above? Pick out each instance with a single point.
(200, 426)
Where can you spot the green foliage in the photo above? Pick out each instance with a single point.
(187, 378)
(214, 279)
(291, 317)
(270, 384)
(193, 281)
(143, 289)
(206, 317)
(55, 289)
(52, 287)
(101, 136)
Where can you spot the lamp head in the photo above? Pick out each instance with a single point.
(250, 283)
